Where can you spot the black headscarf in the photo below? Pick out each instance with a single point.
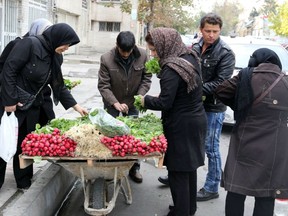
(57, 35)
(264, 55)
(244, 94)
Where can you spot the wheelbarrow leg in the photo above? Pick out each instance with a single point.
(127, 194)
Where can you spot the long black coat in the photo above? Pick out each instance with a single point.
(184, 121)
(257, 161)
(28, 65)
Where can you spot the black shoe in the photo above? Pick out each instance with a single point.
(203, 195)
(164, 180)
(136, 176)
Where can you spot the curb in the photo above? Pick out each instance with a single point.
(45, 195)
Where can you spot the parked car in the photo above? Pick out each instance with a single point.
(187, 41)
(243, 47)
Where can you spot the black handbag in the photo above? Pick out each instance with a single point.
(26, 98)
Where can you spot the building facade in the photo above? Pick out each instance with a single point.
(97, 22)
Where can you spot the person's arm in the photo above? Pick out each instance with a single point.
(225, 92)
(223, 71)
(104, 83)
(168, 84)
(16, 60)
(145, 81)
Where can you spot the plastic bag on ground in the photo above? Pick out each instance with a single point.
(8, 136)
(107, 124)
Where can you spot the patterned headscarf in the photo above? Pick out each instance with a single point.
(169, 47)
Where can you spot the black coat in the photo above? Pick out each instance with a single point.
(184, 121)
(28, 65)
(217, 65)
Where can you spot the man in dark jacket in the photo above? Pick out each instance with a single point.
(121, 76)
(217, 62)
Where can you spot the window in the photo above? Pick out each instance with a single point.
(84, 4)
(109, 26)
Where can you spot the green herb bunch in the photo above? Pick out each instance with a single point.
(152, 66)
(138, 105)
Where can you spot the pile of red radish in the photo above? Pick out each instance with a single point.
(53, 144)
(129, 145)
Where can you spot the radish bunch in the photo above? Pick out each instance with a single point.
(53, 144)
(129, 145)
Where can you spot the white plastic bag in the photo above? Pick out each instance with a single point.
(107, 124)
(8, 136)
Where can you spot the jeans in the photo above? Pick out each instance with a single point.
(215, 123)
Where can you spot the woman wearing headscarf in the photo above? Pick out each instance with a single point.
(37, 27)
(35, 62)
(257, 160)
(183, 116)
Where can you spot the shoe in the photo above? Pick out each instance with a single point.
(136, 176)
(23, 189)
(164, 180)
(203, 195)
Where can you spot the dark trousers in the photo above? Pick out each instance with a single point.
(264, 206)
(22, 176)
(183, 186)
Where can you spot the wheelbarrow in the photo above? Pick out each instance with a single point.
(96, 175)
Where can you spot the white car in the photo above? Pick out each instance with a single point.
(243, 47)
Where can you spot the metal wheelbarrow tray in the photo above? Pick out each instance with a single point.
(96, 174)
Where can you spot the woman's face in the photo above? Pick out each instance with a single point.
(62, 49)
(153, 51)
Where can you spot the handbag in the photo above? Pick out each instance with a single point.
(26, 98)
(8, 136)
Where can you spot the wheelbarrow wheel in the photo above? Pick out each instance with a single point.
(98, 193)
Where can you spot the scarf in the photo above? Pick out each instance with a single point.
(169, 47)
(55, 36)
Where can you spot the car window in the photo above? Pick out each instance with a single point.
(243, 52)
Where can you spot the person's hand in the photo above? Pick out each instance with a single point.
(142, 100)
(80, 109)
(121, 107)
(11, 108)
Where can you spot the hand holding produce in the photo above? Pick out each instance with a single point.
(71, 84)
(138, 103)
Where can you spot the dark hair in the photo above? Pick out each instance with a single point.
(211, 18)
(125, 41)
(148, 39)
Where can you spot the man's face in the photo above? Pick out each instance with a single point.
(210, 33)
(124, 54)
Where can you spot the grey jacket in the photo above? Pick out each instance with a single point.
(118, 85)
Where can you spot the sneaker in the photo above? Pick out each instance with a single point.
(164, 180)
(203, 195)
(135, 175)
